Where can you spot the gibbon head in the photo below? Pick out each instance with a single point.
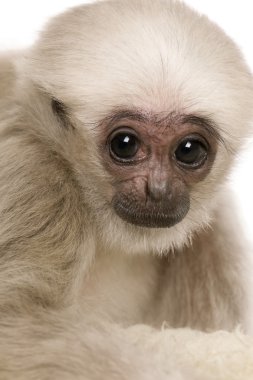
(151, 101)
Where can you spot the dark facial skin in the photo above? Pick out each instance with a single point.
(155, 162)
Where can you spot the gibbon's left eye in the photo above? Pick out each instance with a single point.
(191, 152)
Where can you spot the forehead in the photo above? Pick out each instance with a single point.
(160, 119)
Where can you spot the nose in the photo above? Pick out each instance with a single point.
(158, 186)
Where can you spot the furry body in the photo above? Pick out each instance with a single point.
(82, 292)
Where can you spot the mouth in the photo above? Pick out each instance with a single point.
(152, 216)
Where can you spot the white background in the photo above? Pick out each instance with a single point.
(21, 20)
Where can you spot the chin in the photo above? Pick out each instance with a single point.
(125, 238)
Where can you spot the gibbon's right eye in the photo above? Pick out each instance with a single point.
(124, 146)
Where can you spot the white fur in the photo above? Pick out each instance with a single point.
(83, 294)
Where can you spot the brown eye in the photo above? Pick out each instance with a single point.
(124, 146)
(191, 152)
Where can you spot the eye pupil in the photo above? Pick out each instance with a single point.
(124, 146)
(191, 152)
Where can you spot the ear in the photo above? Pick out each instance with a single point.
(60, 110)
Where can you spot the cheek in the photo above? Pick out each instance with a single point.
(128, 179)
(135, 186)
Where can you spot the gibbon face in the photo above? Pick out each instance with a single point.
(158, 98)
(155, 161)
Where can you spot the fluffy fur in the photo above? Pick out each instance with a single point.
(83, 294)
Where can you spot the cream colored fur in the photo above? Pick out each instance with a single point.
(84, 295)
